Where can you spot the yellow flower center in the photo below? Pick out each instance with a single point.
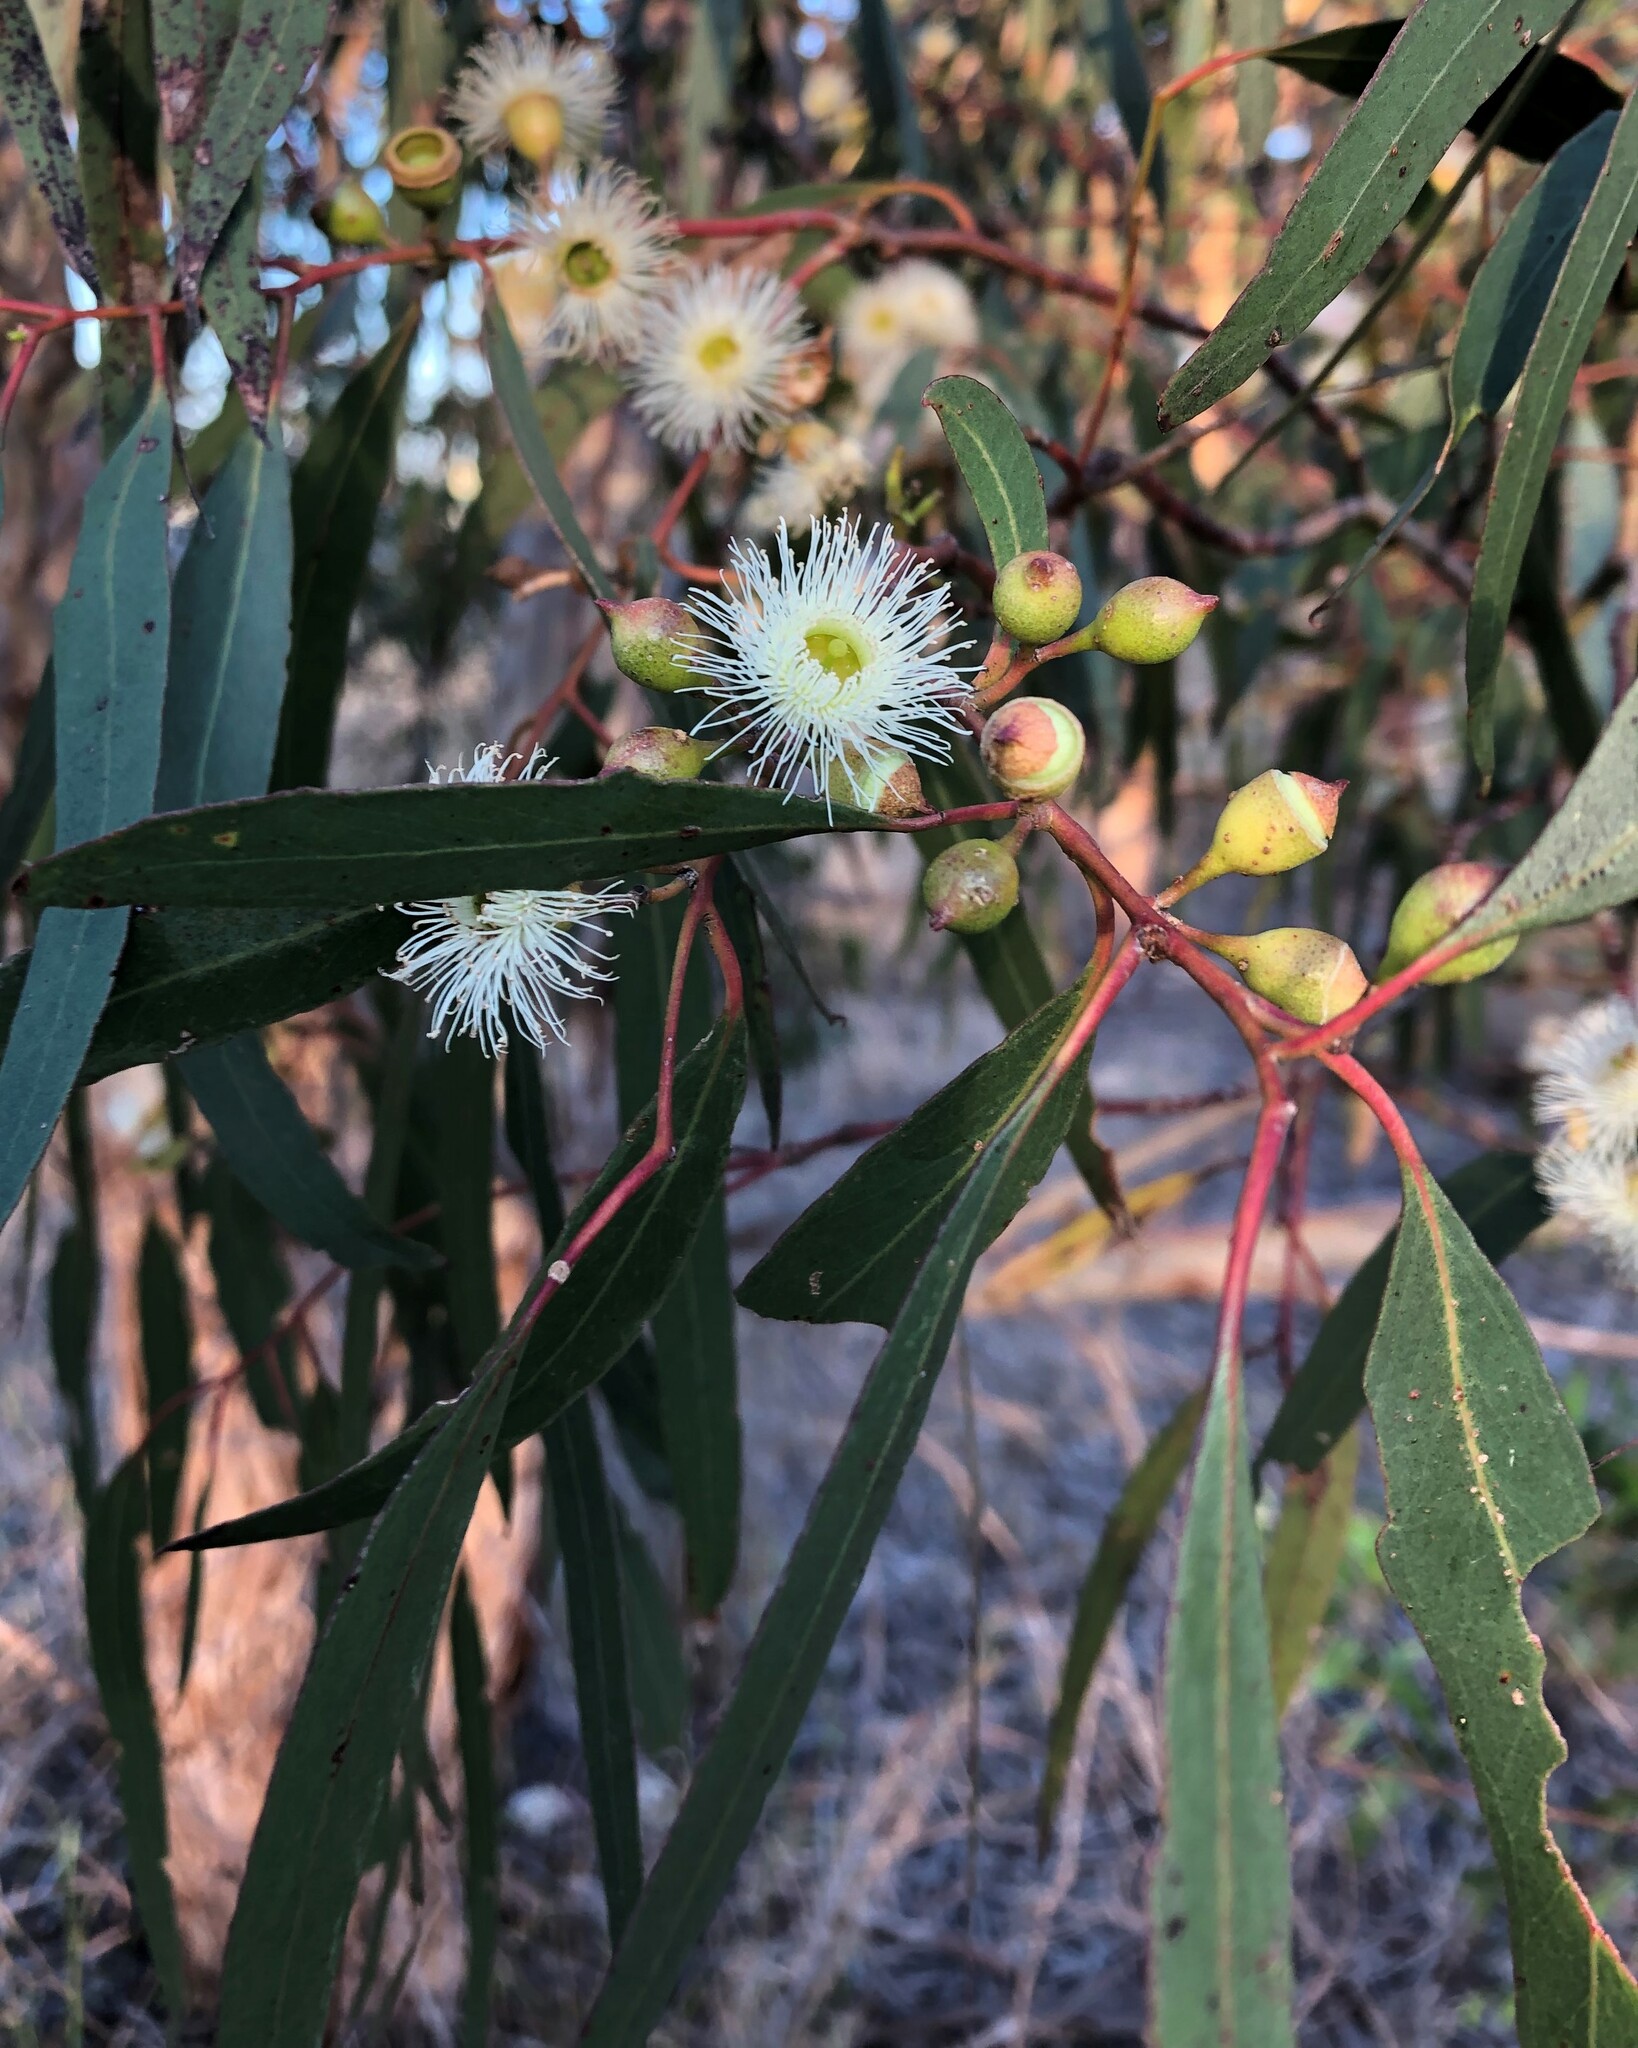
(586, 265)
(837, 649)
(719, 353)
(534, 126)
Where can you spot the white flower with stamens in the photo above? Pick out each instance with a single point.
(1599, 1190)
(1587, 1077)
(717, 350)
(911, 305)
(511, 954)
(546, 99)
(818, 470)
(606, 246)
(843, 658)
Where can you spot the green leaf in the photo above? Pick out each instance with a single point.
(335, 495)
(113, 1622)
(463, 1139)
(72, 1301)
(995, 459)
(853, 1255)
(1131, 1523)
(588, 1539)
(1497, 1199)
(800, 1623)
(1590, 267)
(109, 662)
(895, 142)
(118, 156)
(252, 1291)
(237, 307)
(1449, 56)
(1220, 1901)
(516, 399)
(272, 1149)
(32, 776)
(346, 848)
(167, 1369)
(1485, 1477)
(29, 95)
(1538, 613)
(273, 49)
(1567, 96)
(735, 903)
(230, 635)
(1113, 49)
(350, 1721)
(654, 1652)
(1304, 1558)
(1252, 25)
(481, 1865)
(193, 40)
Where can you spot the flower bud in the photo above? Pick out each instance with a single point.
(971, 886)
(425, 165)
(648, 639)
(663, 753)
(1431, 909)
(534, 126)
(1276, 822)
(1153, 619)
(1033, 747)
(885, 782)
(1038, 597)
(1311, 975)
(351, 218)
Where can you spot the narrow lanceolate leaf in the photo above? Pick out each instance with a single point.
(72, 1300)
(996, 462)
(1112, 46)
(736, 904)
(1220, 1903)
(896, 141)
(1497, 1198)
(1587, 857)
(29, 96)
(272, 1149)
(230, 635)
(334, 497)
(654, 1652)
(1252, 25)
(236, 306)
(193, 40)
(516, 398)
(480, 1867)
(192, 976)
(113, 1622)
(1126, 1534)
(273, 50)
(1589, 267)
(1304, 1559)
(32, 776)
(1485, 1477)
(800, 1623)
(852, 1256)
(109, 663)
(1449, 56)
(167, 1368)
(350, 1721)
(343, 849)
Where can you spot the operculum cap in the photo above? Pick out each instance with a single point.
(1033, 747)
(662, 753)
(1153, 619)
(970, 887)
(650, 638)
(1037, 596)
(1310, 974)
(1430, 910)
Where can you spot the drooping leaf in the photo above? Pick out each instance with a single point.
(800, 1623)
(736, 905)
(654, 1652)
(1589, 267)
(1538, 614)
(1131, 1523)
(480, 1869)
(1497, 1198)
(32, 776)
(1113, 49)
(1304, 1558)
(193, 40)
(73, 1298)
(996, 463)
(273, 1150)
(109, 662)
(346, 848)
(29, 95)
(118, 158)
(167, 1368)
(236, 306)
(252, 1291)
(335, 494)
(515, 395)
(895, 141)
(1253, 25)
(1449, 57)
(1567, 96)
(1485, 1477)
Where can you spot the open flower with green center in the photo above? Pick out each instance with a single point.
(716, 356)
(606, 245)
(835, 662)
(547, 100)
(511, 955)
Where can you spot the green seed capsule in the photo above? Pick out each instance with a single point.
(425, 167)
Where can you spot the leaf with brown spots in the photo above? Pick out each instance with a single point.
(29, 95)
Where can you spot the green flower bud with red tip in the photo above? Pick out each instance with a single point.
(351, 218)
(971, 886)
(885, 783)
(1037, 597)
(1311, 975)
(1033, 747)
(1431, 909)
(662, 753)
(1153, 619)
(425, 166)
(649, 639)
(1275, 823)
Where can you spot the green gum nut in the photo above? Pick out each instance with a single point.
(1310, 974)
(1430, 910)
(1033, 747)
(1275, 823)
(662, 753)
(885, 783)
(971, 887)
(351, 218)
(425, 166)
(649, 640)
(1154, 619)
(1037, 597)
